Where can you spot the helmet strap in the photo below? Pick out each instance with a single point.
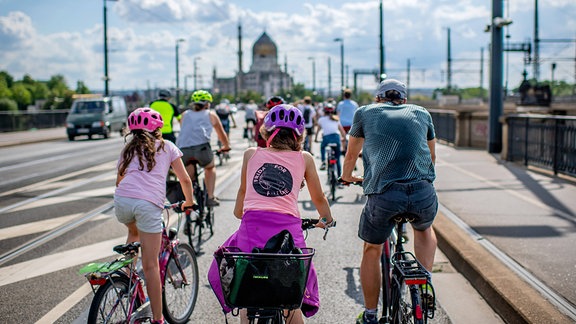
(272, 137)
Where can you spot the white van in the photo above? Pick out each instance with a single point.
(90, 115)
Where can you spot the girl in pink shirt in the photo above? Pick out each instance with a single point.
(141, 192)
(267, 200)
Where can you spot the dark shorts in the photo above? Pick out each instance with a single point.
(309, 131)
(202, 153)
(416, 199)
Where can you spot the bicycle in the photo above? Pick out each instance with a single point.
(249, 132)
(119, 288)
(279, 278)
(403, 280)
(204, 215)
(221, 155)
(332, 169)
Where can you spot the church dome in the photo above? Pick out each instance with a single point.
(264, 47)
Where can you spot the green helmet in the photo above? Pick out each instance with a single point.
(201, 96)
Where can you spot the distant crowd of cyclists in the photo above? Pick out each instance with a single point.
(396, 140)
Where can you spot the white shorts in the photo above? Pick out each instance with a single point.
(148, 216)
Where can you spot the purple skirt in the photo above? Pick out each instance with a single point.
(254, 231)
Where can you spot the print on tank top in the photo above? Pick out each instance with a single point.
(272, 180)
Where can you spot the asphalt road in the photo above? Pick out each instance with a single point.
(51, 187)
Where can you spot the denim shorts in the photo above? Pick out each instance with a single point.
(148, 216)
(418, 200)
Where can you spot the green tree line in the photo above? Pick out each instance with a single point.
(52, 94)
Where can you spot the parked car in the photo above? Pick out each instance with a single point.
(96, 115)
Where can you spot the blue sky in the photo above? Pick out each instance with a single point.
(43, 38)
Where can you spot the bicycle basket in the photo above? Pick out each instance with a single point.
(264, 280)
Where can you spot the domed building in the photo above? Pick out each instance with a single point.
(265, 75)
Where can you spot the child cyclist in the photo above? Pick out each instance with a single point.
(141, 192)
(267, 200)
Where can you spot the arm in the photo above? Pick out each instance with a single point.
(352, 152)
(220, 131)
(239, 206)
(185, 182)
(432, 147)
(315, 188)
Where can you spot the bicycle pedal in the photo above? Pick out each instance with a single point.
(143, 312)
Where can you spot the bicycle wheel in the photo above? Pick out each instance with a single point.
(406, 307)
(111, 302)
(333, 181)
(386, 267)
(179, 296)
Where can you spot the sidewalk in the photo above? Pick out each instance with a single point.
(32, 136)
(490, 210)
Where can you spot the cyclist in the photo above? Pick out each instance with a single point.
(225, 115)
(346, 109)
(168, 112)
(141, 191)
(309, 114)
(194, 139)
(249, 116)
(260, 114)
(398, 143)
(267, 200)
(332, 133)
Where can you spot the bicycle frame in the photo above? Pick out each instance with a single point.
(332, 169)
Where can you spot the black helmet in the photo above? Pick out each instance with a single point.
(164, 93)
(274, 101)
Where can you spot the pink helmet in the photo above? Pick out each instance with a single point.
(284, 115)
(145, 118)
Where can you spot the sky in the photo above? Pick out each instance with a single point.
(44, 38)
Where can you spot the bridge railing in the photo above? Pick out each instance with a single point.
(11, 121)
(543, 141)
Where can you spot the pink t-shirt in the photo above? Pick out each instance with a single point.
(150, 186)
(273, 181)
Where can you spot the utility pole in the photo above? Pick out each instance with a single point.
(449, 64)
(408, 78)
(106, 77)
(482, 73)
(536, 66)
(329, 77)
(178, 41)
(382, 53)
(496, 58)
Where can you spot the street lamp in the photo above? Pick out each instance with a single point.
(196, 72)
(178, 41)
(106, 78)
(341, 63)
(313, 73)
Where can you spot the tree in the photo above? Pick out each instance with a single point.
(21, 95)
(7, 77)
(81, 87)
(5, 91)
(57, 85)
(7, 104)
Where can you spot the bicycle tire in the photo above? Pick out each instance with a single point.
(386, 268)
(179, 299)
(111, 302)
(407, 306)
(333, 181)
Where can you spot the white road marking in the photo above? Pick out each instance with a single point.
(61, 309)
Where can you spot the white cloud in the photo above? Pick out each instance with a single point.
(16, 30)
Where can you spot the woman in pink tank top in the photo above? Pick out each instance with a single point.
(267, 200)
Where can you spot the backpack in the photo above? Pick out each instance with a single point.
(307, 114)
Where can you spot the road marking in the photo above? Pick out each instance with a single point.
(34, 227)
(80, 195)
(61, 309)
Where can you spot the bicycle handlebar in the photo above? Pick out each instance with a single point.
(310, 223)
(177, 207)
(346, 183)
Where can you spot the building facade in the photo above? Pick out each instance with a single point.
(265, 75)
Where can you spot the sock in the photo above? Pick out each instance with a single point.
(371, 313)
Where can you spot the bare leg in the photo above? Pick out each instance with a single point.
(425, 247)
(150, 249)
(210, 178)
(295, 317)
(370, 274)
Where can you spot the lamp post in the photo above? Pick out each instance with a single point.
(186, 77)
(341, 63)
(196, 72)
(313, 73)
(106, 78)
(178, 41)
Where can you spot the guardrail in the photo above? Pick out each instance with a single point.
(543, 141)
(11, 121)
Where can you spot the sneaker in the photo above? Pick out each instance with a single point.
(361, 319)
(323, 166)
(427, 294)
(213, 202)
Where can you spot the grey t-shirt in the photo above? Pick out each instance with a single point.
(395, 144)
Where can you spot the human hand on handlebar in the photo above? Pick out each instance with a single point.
(354, 180)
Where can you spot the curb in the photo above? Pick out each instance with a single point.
(509, 295)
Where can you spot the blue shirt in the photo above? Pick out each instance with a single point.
(346, 109)
(395, 144)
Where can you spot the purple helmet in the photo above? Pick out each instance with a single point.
(284, 115)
